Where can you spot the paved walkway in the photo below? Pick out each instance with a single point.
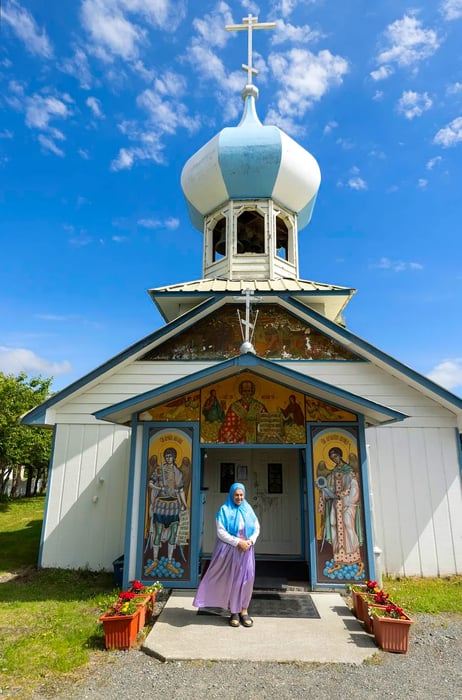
(337, 637)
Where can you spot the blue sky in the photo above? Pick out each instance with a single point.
(103, 101)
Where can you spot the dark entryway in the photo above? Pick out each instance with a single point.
(277, 574)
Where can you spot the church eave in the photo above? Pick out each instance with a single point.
(174, 299)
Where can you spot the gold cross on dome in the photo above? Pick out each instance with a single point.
(249, 23)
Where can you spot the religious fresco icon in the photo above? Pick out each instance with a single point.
(278, 335)
(341, 552)
(249, 409)
(167, 527)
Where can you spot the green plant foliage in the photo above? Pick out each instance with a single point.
(427, 595)
(22, 445)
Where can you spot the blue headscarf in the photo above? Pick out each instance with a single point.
(228, 515)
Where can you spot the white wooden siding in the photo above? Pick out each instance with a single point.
(87, 497)
(414, 466)
(361, 378)
(415, 479)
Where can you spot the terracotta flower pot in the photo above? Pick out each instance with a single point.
(355, 595)
(120, 631)
(369, 621)
(365, 601)
(142, 600)
(392, 634)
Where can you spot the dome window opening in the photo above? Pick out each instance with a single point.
(282, 239)
(219, 240)
(250, 233)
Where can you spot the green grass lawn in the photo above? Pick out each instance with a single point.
(49, 618)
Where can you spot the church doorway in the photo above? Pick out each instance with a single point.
(273, 482)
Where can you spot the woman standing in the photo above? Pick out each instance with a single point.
(228, 582)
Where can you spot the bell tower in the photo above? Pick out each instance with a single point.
(250, 190)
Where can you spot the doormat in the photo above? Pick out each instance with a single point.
(288, 605)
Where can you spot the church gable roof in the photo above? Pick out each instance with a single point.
(290, 301)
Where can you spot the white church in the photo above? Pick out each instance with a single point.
(351, 460)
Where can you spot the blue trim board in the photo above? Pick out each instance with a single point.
(131, 486)
(366, 500)
(311, 515)
(141, 496)
(47, 498)
(194, 511)
(250, 361)
(379, 354)
(314, 583)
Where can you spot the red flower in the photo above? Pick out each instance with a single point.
(381, 598)
(137, 587)
(395, 611)
(126, 595)
(371, 586)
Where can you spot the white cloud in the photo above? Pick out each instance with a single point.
(202, 57)
(447, 373)
(382, 73)
(55, 317)
(305, 78)
(433, 161)
(150, 149)
(413, 104)
(251, 6)
(163, 116)
(168, 116)
(23, 24)
(285, 31)
(211, 28)
(95, 105)
(450, 135)
(15, 360)
(330, 126)
(396, 265)
(40, 110)
(285, 8)
(377, 154)
(345, 144)
(451, 9)
(83, 153)
(406, 43)
(171, 223)
(6, 134)
(356, 183)
(378, 95)
(117, 28)
(454, 88)
(422, 183)
(110, 29)
(49, 145)
(77, 66)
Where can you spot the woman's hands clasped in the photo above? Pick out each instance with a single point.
(244, 545)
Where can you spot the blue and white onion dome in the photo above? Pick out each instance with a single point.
(251, 161)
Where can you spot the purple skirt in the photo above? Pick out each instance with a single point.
(228, 582)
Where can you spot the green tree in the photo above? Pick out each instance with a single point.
(22, 445)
